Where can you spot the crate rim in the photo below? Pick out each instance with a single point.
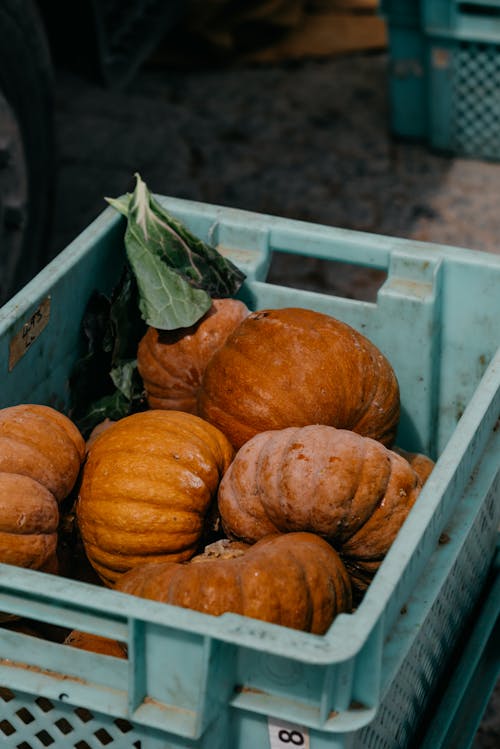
(295, 645)
(380, 244)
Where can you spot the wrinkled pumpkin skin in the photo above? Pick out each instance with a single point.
(146, 488)
(29, 517)
(349, 489)
(171, 363)
(294, 367)
(421, 464)
(41, 452)
(296, 580)
(42, 443)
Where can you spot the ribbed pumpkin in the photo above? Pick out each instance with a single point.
(349, 489)
(146, 488)
(41, 452)
(293, 367)
(29, 517)
(421, 464)
(171, 363)
(296, 580)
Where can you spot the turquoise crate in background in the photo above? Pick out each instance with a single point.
(194, 681)
(472, 19)
(444, 73)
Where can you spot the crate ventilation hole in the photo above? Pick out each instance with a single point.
(39, 723)
(476, 115)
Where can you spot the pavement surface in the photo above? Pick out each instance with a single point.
(308, 140)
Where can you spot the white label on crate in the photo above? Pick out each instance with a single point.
(284, 735)
(30, 331)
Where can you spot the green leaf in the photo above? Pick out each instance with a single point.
(177, 273)
(167, 301)
(113, 406)
(123, 377)
(105, 381)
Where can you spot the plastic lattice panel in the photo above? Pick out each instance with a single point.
(398, 719)
(476, 103)
(28, 722)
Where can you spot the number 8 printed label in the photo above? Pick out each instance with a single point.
(284, 735)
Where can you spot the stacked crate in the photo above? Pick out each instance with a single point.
(444, 74)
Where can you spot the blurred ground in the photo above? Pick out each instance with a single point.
(306, 139)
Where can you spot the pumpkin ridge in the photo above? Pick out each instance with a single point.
(210, 462)
(305, 578)
(169, 368)
(363, 468)
(388, 513)
(112, 562)
(28, 451)
(66, 427)
(336, 580)
(377, 400)
(233, 499)
(183, 522)
(12, 426)
(281, 493)
(162, 488)
(30, 550)
(263, 485)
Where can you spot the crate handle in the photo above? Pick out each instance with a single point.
(479, 8)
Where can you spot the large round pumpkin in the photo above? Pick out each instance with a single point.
(293, 367)
(41, 452)
(171, 362)
(296, 580)
(146, 488)
(349, 489)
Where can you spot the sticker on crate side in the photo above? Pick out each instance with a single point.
(27, 335)
(284, 735)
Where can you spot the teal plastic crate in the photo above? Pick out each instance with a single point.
(470, 19)
(192, 680)
(401, 12)
(475, 674)
(443, 75)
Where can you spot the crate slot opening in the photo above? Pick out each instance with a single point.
(332, 277)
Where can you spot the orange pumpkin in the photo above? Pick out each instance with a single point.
(421, 464)
(41, 451)
(171, 362)
(42, 443)
(296, 580)
(349, 489)
(95, 644)
(293, 367)
(29, 517)
(147, 486)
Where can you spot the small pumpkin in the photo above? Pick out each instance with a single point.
(147, 486)
(171, 362)
(41, 451)
(422, 464)
(349, 489)
(293, 367)
(296, 580)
